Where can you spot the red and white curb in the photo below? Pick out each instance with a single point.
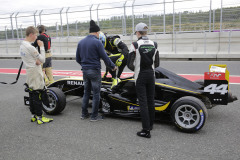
(233, 79)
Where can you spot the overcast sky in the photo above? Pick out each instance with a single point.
(10, 6)
(26, 8)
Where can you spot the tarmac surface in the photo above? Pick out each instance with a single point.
(70, 138)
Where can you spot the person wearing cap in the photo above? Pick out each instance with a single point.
(118, 52)
(142, 59)
(89, 52)
(47, 66)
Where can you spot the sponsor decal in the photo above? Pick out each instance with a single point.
(147, 49)
(75, 83)
(133, 108)
(22, 53)
(201, 120)
(214, 76)
(146, 41)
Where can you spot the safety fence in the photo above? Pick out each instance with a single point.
(164, 16)
(175, 17)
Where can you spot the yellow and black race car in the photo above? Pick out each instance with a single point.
(186, 102)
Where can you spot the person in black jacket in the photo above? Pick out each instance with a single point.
(118, 52)
(142, 59)
(47, 66)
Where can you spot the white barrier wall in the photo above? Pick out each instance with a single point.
(182, 45)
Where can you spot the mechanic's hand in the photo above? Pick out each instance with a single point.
(38, 62)
(115, 68)
(40, 43)
(119, 61)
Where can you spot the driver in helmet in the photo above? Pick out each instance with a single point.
(117, 51)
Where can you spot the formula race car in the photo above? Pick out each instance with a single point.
(186, 102)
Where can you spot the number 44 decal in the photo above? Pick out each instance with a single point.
(213, 88)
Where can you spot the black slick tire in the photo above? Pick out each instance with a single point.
(189, 114)
(57, 101)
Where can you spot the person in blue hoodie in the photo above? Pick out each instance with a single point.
(89, 52)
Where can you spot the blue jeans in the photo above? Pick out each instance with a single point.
(92, 82)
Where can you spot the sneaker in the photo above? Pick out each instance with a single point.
(34, 118)
(85, 116)
(144, 133)
(47, 119)
(42, 119)
(98, 118)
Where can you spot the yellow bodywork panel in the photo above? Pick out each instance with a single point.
(162, 108)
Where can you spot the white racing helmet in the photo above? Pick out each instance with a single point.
(102, 38)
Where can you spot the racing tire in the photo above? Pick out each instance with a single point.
(189, 114)
(57, 101)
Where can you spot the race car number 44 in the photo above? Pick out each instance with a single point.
(213, 88)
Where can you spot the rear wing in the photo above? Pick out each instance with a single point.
(216, 83)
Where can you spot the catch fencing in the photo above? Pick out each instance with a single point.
(162, 16)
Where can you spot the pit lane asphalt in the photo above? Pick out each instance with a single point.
(69, 138)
